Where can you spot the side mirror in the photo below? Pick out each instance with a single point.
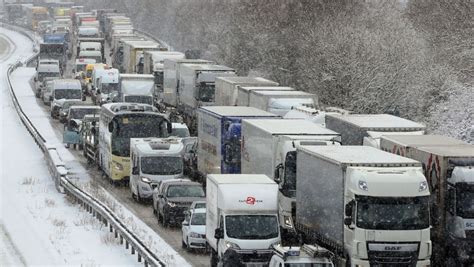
(185, 223)
(276, 175)
(348, 221)
(218, 233)
(169, 126)
(348, 208)
(83, 98)
(111, 126)
(50, 98)
(135, 171)
(93, 131)
(160, 195)
(98, 91)
(35, 79)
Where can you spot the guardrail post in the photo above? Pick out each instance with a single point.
(110, 227)
(116, 233)
(146, 263)
(126, 244)
(139, 257)
(133, 250)
(121, 240)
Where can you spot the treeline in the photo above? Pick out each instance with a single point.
(409, 58)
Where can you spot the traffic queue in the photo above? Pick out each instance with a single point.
(254, 171)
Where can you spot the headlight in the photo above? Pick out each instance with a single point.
(194, 235)
(288, 221)
(231, 245)
(118, 166)
(63, 113)
(171, 204)
(145, 180)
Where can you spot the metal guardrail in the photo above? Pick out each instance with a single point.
(60, 175)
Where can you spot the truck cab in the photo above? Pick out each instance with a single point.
(304, 256)
(136, 88)
(153, 160)
(105, 85)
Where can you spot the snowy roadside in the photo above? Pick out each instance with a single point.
(40, 119)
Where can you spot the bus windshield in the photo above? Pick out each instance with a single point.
(135, 126)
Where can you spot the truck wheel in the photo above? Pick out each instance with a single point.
(214, 258)
(166, 220)
(139, 199)
(183, 245)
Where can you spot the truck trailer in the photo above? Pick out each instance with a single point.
(227, 88)
(449, 168)
(369, 207)
(366, 129)
(269, 147)
(243, 92)
(241, 219)
(280, 102)
(219, 130)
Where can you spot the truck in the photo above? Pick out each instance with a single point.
(153, 160)
(280, 102)
(367, 206)
(241, 218)
(449, 168)
(196, 89)
(269, 147)
(105, 85)
(136, 88)
(35, 14)
(366, 129)
(54, 46)
(219, 135)
(315, 115)
(153, 64)
(171, 73)
(227, 88)
(132, 55)
(243, 92)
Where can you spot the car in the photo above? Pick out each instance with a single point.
(179, 130)
(173, 197)
(194, 229)
(200, 204)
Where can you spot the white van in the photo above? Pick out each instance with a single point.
(97, 55)
(64, 90)
(90, 46)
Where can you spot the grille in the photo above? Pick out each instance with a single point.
(392, 258)
(470, 234)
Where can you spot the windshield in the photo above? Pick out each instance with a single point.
(381, 213)
(136, 126)
(185, 191)
(289, 183)
(206, 92)
(89, 73)
(198, 219)
(161, 165)
(67, 94)
(144, 99)
(108, 88)
(180, 132)
(200, 205)
(251, 226)
(79, 114)
(465, 200)
(308, 265)
(42, 75)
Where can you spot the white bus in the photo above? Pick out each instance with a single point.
(117, 124)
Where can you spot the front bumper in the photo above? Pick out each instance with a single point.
(194, 242)
(176, 214)
(257, 257)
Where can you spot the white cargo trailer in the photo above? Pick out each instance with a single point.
(269, 147)
(280, 102)
(367, 206)
(227, 88)
(243, 92)
(366, 129)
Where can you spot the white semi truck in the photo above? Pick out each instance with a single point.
(367, 206)
(366, 129)
(219, 137)
(133, 55)
(269, 147)
(449, 168)
(171, 75)
(196, 89)
(136, 88)
(227, 88)
(243, 92)
(280, 102)
(153, 160)
(241, 218)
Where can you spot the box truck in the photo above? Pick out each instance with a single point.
(227, 88)
(136, 88)
(449, 168)
(243, 92)
(196, 89)
(280, 102)
(171, 78)
(269, 147)
(366, 129)
(153, 64)
(133, 55)
(241, 218)
(219, 129)
(369, 207)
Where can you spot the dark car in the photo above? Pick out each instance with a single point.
(173, 197)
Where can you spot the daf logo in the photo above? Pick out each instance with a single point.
(470, 225)
(392, 248)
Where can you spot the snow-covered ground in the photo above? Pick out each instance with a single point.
(39, 188)
(38, 225)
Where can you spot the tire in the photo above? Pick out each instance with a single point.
(214, 258)
(188, 248)
(183, 245)
(166, 221)
(160, 219)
